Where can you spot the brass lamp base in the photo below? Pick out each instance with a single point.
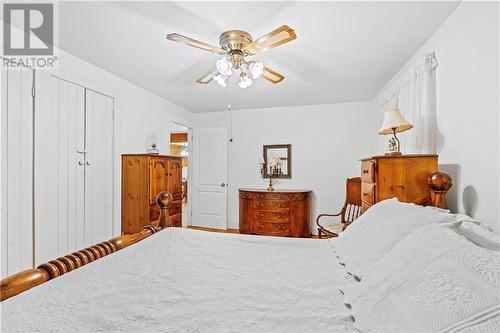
(270, 188)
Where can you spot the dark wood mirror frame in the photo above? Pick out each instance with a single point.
(288, 148)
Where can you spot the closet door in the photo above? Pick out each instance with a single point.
(17, 168)
(59, 168)
(98, 167)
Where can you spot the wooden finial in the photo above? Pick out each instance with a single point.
(164, 200)
(439, 182)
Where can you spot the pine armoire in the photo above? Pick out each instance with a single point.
(143, 177)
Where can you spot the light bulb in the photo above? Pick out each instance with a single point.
(257, 68)
(221, 80)
(224, 66)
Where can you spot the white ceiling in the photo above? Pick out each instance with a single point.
(344, 51)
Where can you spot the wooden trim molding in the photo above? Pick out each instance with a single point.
(22, 281)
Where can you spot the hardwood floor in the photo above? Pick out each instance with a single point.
(228, 231)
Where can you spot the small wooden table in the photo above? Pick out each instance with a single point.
(277, 213)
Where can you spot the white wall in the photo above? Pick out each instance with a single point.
(467, 50)
(327, 141)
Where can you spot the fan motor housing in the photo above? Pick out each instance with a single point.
(233, 40)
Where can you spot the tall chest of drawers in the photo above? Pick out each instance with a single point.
(401, 176)
(278, 213)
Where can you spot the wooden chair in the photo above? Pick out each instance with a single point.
(350, 211)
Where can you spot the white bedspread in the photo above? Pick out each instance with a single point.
(182, 280)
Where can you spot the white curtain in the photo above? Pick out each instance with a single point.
(414, 93)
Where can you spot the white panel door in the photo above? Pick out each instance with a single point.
(17, 168)
(59, 167)
(98, 167)
(210, 177)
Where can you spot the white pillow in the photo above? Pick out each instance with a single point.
(435, 280)
(381, 227)
(479, 234)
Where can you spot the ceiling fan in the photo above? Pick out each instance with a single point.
(235, 46)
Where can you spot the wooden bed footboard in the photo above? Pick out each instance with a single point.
(22, 281)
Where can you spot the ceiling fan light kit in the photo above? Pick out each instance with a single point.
(235, 46)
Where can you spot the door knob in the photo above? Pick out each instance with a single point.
(80, 162)
(81, 151)
(88, 163)
(223, 185)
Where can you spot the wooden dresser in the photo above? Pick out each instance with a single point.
(403, 176)
(143, 177)
(278, 213)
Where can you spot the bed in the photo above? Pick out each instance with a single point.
(399, 268)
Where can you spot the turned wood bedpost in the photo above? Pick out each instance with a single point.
(164, 200)
(439, 183)
(22, 281)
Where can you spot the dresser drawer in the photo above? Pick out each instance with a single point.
(271, 205)
(271, 196)
(271, 216)
(272, 228)
(368, 193)
(175, 207)
(368, 171)
(154, 212)
(176, 220)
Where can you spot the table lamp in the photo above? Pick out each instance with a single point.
(394, 122)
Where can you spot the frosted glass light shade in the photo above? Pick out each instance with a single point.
(224, 66)
(256, 69)
(394, 122)
(245, 81)
(221, 80)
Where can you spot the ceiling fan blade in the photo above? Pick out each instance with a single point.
(272, 76)
(195, 43)
(207, 77)
(280, 36)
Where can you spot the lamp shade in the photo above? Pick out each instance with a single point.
(394, 122)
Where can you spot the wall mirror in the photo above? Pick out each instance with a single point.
(278, 154)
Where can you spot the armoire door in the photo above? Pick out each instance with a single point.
(59, 167)
(98, 166)
(175, 176)
(158, 173)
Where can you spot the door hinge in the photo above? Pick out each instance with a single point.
(33, 90)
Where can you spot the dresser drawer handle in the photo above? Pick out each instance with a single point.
(260, 215)
(282, 215)
(365, 194)
(259, 226)
(282, 205)
(366, 171)
(259, 205)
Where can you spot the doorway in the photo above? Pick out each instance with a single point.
(180, 146)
